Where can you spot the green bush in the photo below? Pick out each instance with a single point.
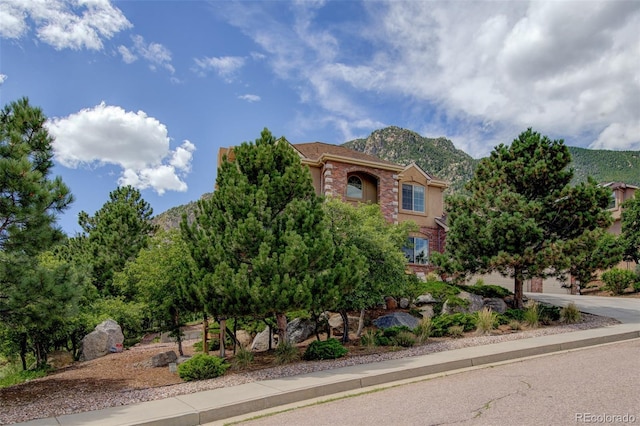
(455, 331)
(548, 314)
(513, 314)
(423, 330)
(406, 339)
(286, 353)
(440, 290)
(532, 314)
(618, 280)
(487, 321)
(442, 323)
(570, 314)
(202, 367)
(213, 344)
(369, 338)
(394, 331)
(324, 349)
(485, 290)
(243, 358)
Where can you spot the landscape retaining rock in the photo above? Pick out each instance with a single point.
(105, 338)
(163, 359)
(396, 319)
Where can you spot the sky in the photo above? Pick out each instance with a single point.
(144, 93)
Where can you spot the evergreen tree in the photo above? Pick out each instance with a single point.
(630, 237)
(260, 241)
(114, 235)
(522, 212)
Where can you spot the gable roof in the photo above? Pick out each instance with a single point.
(317, 151)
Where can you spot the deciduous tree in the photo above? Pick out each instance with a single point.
(630, 237)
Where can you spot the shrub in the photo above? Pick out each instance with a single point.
(441, 323)
(548, 314)
(618, 280)
(369, 339)
(406, 339)
(213, 344)
(570, 314)
(324, 349)
(243, 358)
(515, 325)
(531, 314)
(514, 314)
(201, 367)
(485, 290)
(486, 322)
(391, 332)
(423, 330)
(455, 331)
(286, 353)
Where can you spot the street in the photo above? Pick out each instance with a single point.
(598, 385)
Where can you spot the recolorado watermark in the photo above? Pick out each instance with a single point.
(605, 418)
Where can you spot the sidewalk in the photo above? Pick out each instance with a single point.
(218, 404)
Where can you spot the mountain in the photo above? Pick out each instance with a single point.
(443, 160)
(436, 156)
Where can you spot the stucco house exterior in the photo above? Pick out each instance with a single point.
(403, 192)
(620, 192)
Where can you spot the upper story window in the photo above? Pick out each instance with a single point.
(413, 197)
(354, 187)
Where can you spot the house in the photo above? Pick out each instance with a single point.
(403, 192)
(620, 192)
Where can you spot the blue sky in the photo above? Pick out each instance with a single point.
(146, 92)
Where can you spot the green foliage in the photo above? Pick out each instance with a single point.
(570, 314)
(442, 323)
(487, 321)
(514, 314)
(455, 331)
(114, 235)
(243, 358)
(324, 349)
(440, 290)
(488, 290)
(405, 339)
(369, 338)
(424, 330)
(15, 376)
(202, 367)
(592, 252)
(521, 212)
(605, 165)
(548, 313)
(212, 344)
(618, 280)
(630, 237)
(260, 242)
(286, 353)
(531, 315)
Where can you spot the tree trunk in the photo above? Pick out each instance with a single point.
(178, 332)
(281, 321)
(518, 289)
(205, 334)
(23, 351)
(223, 328)
(345, 326)
(360, 324)
(235, 335)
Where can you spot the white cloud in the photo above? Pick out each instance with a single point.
(250, 98)
(3, 78)
(63, 24)
(137, 143)
(486, 69)
(225, 66)
(127, 56)
(154, 53)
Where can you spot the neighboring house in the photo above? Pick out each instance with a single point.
(403, 192)
(620, 192)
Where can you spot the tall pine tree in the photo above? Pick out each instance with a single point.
(522, 212)
(261, 240)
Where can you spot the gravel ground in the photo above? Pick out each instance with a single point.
(123, 379)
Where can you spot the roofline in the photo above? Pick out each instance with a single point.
(349, 160)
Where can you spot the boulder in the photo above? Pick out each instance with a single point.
(496, 304)
(335, 322)
(105, 338)
(404, 303)
(244, 338)
(300, 330)
(163, 359)
(261, 341)
(475, 303)
(427, 311)
(424, 299)
(390, 303)
(396, 318)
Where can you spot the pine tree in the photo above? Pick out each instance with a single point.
(630, 237)
(260, 241)
(522, 212)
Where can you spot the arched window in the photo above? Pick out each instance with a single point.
(354, 187)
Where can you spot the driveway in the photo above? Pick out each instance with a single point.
(624, 309)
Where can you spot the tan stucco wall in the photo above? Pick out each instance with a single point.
(434, 200)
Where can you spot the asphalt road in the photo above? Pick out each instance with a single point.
(597, 385)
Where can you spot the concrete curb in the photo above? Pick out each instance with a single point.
(218, 404)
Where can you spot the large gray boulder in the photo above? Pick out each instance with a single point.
(105, 338)
(424, 299)
(261, 341)
(300, 330)
(496, 304)
(474, 303)
(396, 318)
(163, 359)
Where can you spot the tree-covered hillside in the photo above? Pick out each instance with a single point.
(606, 166)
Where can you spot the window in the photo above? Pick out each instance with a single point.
(612, 200)
(413, 197)
(417, 250)
(354, 187)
